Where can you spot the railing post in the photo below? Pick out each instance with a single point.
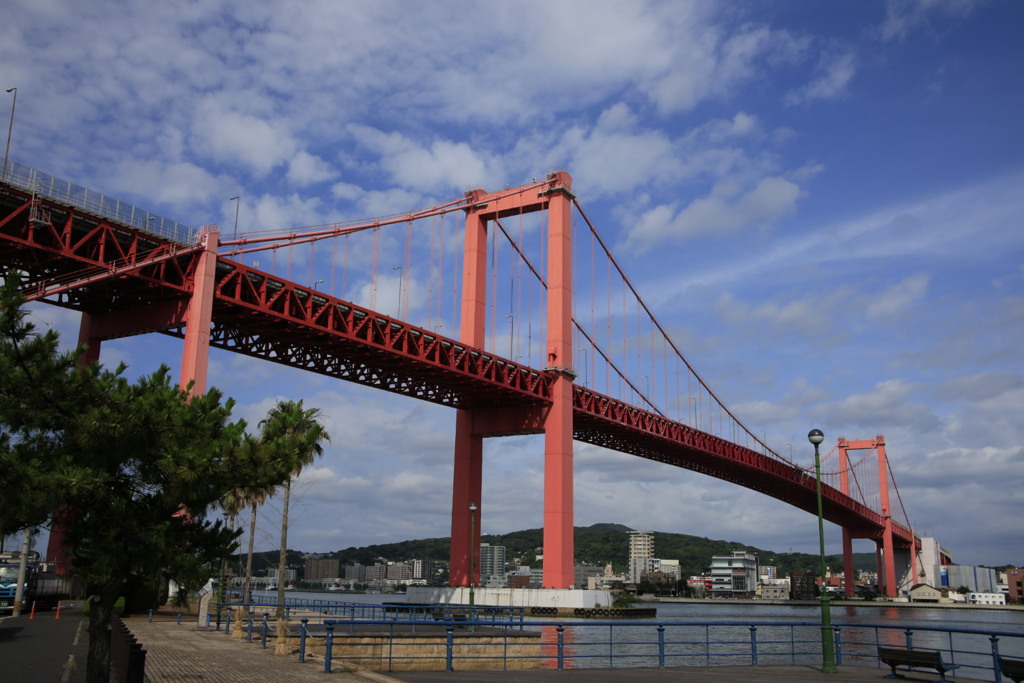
(302, 639)
(839, 646)
(449, 645)
(753, 645)
(249, 637)
(561, 646)
(328, 646)
(909, 636)
(179, 618)
(227, 623)
(266, 626)
(995, 658)
(661, 646)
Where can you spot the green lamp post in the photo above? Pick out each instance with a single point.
(828, 653)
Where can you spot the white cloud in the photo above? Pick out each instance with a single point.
(904, 16)
(726, 211)
(896, 299)
(307, 169)
(832, 79)
(228, 136)
(168, 183)
(442, 165)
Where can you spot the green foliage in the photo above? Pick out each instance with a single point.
(599, 544)
(130, 470)
(623, 600)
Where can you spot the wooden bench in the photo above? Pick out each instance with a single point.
(1012, 668)
(922, 659)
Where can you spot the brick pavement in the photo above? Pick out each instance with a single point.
(182, 652)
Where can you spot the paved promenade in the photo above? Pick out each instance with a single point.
(49, 650)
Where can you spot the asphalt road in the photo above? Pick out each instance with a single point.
(44, 648)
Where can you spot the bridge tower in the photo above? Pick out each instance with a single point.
(474, 423)
(887, 550)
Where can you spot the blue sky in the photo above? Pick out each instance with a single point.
(821, 201)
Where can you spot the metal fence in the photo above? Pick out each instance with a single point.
(397, 636)
(565, 645)
(70, 194)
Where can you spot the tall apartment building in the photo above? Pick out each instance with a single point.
(641, 550)
(803, 586)
(399, 571)
(422, 570)
(492, 561)
(323, 568)
(735, 575)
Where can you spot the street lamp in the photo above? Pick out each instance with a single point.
(511, 334)
(472, 559)
(401, 273)
(7, 148)
(828, 654)
(237, 201)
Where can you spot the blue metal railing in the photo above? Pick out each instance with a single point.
(565, 644)
(318, 611)
(70, 194)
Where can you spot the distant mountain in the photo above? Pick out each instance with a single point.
(600, 544)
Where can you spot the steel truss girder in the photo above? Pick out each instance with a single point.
(297, 326)
(55, 245)
(603, 421)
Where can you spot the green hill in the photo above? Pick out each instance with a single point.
(600, 544)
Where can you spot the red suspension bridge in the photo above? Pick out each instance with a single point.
(552, 338)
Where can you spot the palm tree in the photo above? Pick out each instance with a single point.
(294, 435)
(262, 472)
(259, 473)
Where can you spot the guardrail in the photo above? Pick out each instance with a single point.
(70, 194)
(384, 644)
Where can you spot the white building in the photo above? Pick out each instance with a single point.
(671, 567)
(641, 550)
(986, 599)
(734, 576)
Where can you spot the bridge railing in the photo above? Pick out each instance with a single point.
(68, 193)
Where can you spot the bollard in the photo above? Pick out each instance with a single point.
(227, 623)
(561, 646)
(994, 640)
(150, 616)
(449, 646)
(661, 646)
(302, 640)
(249, 636)
(328, 646)
(266, 626)
(179, 618)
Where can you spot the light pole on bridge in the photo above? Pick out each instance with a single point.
(10, 126)
(828, 653)
(237, 201)
(472, 561)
